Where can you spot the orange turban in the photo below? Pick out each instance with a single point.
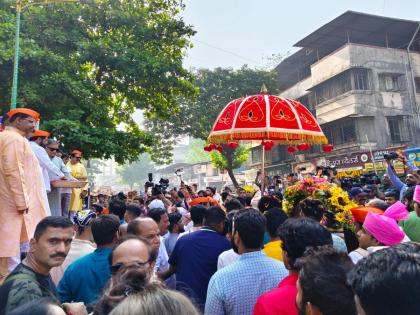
(35, 115)
(40, 133)
(360, 213)
(76, 152)
(199, 200)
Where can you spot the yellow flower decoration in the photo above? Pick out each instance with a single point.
(340, 217)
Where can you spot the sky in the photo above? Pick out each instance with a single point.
(231, 33)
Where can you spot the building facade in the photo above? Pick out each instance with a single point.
(360, 76)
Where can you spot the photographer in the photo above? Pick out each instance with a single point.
(410, 180)
(158, 199)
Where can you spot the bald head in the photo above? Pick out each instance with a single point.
(130, 251)
(146, 228)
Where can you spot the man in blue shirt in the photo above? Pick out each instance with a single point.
(410, 180)
(235, 288)
(85, 278)
(194, 258)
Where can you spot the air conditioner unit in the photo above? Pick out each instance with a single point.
(300, 157)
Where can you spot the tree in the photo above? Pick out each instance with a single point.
(136, 172)
(196, 154)
(87, 68)
(230, 159)
(217, 88)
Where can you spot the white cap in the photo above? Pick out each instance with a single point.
(156, 204)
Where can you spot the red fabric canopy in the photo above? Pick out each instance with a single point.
(266, 117)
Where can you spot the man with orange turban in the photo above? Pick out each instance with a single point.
(21, 184)
(38, 142)
(78, 171)
(359, 216)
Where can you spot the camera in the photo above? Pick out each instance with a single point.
(161, 187)
(391, 156)
(348, 183)
(370, 178)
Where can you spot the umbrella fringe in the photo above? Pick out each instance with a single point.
(277, 137)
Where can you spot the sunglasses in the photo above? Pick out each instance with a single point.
(31, 121)
(138, 264)
(53, 149)
(78, 157)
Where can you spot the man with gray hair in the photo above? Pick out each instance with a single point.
(54, 196)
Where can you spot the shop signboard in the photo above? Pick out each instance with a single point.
(413, 155)
(354, 164)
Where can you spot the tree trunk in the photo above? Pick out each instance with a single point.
(232, 177)
(229, 168)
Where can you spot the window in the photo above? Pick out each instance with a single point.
(394, 129)
(328, 133)
(417, 82)
(361, 81)
(348, 132)
(353, 79)
(341, 131)
(391, 82)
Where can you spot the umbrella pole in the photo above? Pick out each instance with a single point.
(263, 170)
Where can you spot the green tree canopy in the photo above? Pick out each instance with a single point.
(230, 159)
(87, 68)
(195, 153)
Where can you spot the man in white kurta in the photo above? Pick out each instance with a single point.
(21, 188)
(48, 169)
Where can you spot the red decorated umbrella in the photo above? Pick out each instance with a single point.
(268, 118)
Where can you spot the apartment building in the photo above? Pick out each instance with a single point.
(360, 75)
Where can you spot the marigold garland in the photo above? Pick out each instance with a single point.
(336, 200)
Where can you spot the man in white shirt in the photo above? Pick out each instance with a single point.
(212, 192)
(230, 256)
(37, 139)
(197, 216)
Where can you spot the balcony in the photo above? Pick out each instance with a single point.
(357, 55)
(351, 103)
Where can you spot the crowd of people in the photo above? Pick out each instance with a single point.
(183, 250)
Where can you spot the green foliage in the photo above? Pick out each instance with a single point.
(196, 154)
(230, 158)
(86, 68)
(136, 172)
(196, 117)
(217, 88)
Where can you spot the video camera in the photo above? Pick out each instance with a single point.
(391, 156)
(157, 189)
(348, 183)
(370, 178)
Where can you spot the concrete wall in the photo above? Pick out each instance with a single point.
(415, 63)
(298, 90)
(331, 65)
